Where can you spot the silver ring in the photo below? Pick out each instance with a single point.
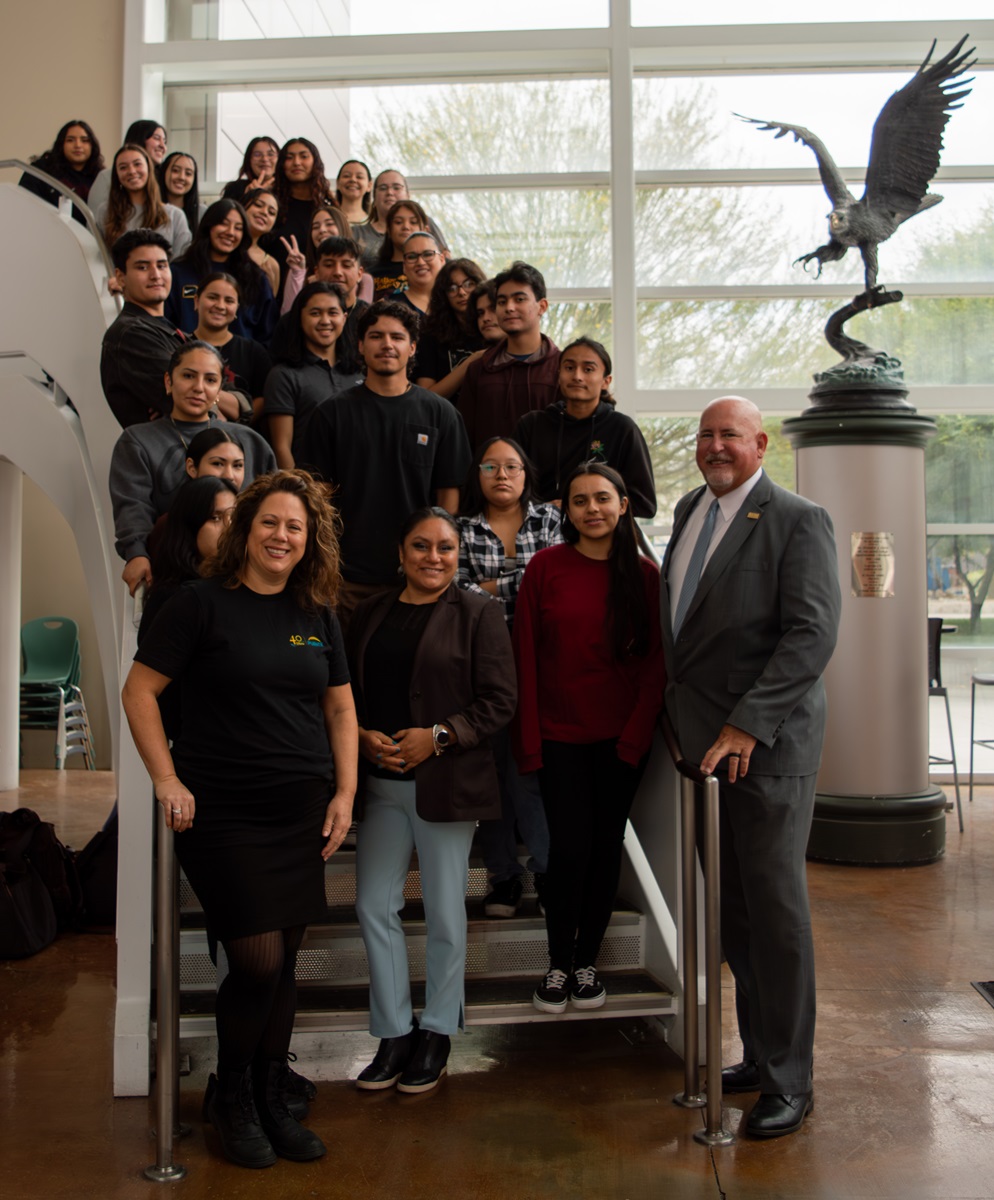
(177, 810)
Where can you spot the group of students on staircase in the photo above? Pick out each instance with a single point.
(393, 577)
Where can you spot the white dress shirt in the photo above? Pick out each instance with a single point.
(728, 506)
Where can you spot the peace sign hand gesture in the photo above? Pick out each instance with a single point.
(295, 260)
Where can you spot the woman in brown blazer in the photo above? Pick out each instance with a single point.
(433, 676)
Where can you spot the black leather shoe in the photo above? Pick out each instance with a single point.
(743, 1077)
(774, 1116)
(427, 1066)
(232, 1112)
(390, 1062)
(286, 1135)
(295, 1103)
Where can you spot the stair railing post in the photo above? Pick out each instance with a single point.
(164, 1170)
(714, 1134)
(691, 1096)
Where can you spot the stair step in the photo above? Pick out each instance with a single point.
(488, 1002)
(495, 949)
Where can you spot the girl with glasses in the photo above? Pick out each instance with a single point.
(403, 219)
(447, 344)
(389, 187)
(422, 262)
(501, 529)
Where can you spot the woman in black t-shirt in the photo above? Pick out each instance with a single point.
(246, 362)
(260, 780)
(406, 217)
(74, 160)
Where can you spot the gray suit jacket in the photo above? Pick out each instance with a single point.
(758, 634)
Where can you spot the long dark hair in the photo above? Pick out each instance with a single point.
(627, 616)
(293, 347)
(138, 134)
(602, 354)
(473, 502)
(368, 197)
(54, 162)
(321, 190)
(385, 256)
(443, 323)
(341, 222)
(176, 557)
(191, 201)
(238, 264)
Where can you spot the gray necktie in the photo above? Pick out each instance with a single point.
(695, 567)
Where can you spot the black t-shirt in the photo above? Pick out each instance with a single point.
(387, 670)
(252, 671)
(436, 359)
(247, 364)
(297, 391)
(387, 456)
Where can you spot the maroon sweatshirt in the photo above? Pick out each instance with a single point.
(498, 390)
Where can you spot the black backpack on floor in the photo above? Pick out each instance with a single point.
(39, 889)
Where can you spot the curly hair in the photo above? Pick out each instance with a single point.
(443, 322)
(120, 206)
(316, 579)
(321, 190)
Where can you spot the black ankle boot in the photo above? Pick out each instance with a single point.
(427, 1066)
(231, 1110)
(288, 1137)
(295, 1102)
(390, 1062)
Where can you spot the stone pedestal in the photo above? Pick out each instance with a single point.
(862, 457)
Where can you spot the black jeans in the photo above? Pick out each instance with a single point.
(587, 792)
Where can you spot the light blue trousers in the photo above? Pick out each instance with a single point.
(389, 831)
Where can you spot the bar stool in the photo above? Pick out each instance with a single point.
(979, 679)
(935, 688)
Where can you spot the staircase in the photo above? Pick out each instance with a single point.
(504, 959)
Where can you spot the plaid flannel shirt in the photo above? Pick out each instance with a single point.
(481, 553)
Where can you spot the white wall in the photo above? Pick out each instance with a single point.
(60, 62)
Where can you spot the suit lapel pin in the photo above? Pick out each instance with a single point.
(754, 516)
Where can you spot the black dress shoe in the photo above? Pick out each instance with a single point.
(743, 1077)
(390, 1062)
(427, 1066)
(774, 1116)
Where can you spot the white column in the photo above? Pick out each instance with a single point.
(11, 493)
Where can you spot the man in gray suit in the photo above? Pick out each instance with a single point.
(750, 612)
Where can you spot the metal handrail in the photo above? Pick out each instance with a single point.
(691, 776)
(67, 194)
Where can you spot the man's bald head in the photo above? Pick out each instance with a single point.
(730, 443)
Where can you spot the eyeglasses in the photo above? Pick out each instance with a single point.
(412, 256)
(391, 187)
(511, 470)
(467, 285)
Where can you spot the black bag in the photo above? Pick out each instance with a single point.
(26, 839)
(96, 865)
(27, 914)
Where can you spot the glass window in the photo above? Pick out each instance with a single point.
(565, 232)
(769, 12)
(959, 470)
(753, 235)
(685, 122)
(252, 19)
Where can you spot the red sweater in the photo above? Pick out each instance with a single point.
(571, 688)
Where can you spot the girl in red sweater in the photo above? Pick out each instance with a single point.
(590, 687)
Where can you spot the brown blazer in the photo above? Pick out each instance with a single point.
(463, 677)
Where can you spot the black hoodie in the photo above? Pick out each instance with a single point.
(557, 443)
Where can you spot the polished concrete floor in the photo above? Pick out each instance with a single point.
(904, 1072)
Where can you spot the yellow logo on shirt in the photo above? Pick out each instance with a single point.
(314, 642)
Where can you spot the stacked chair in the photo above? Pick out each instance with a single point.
(50, 692)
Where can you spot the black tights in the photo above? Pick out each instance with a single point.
(257, 999)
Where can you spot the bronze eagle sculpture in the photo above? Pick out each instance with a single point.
(904, 156)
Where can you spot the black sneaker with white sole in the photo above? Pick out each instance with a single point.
(586, 990)
(503, 898)
(552, 993)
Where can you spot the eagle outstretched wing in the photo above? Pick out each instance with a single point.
(831, 177)
(907, 135)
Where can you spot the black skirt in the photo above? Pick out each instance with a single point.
(254, 857)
